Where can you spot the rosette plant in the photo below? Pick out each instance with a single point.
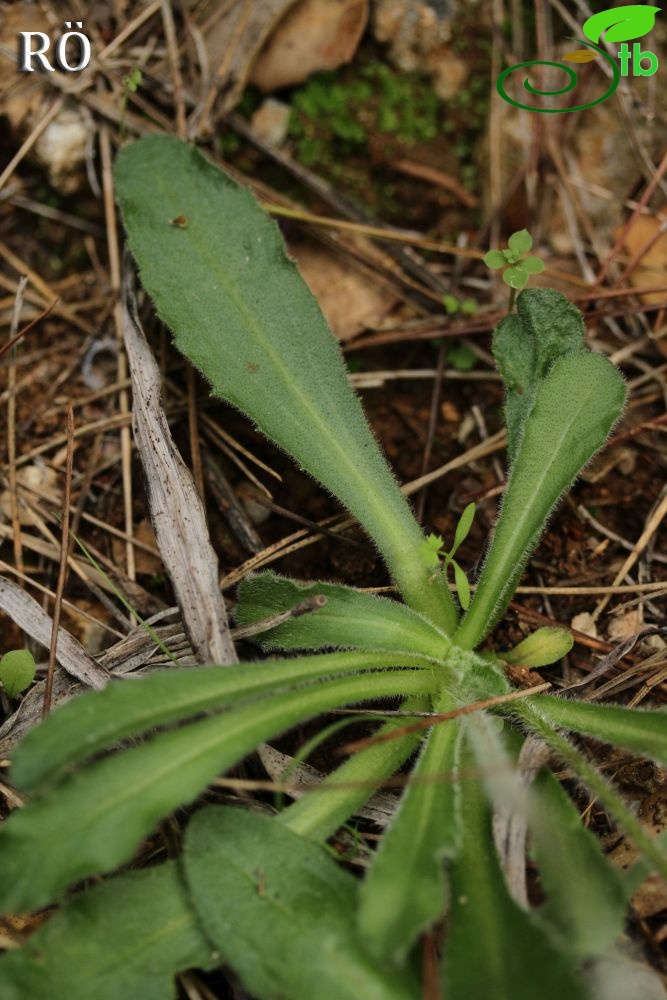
(261, 892)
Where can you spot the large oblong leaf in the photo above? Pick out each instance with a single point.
(93, 821)
(349, 619)
(405, 891)
(586, 897)
(644, 732)
(126, 938)
(279, 909)
(575, 407)
(493, 949)
(98, 719)
(216, 267)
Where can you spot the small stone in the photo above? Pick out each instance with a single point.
(271, 121)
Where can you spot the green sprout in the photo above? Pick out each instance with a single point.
(518, 267)
(432, 551)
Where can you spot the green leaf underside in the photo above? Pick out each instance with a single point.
(349, 619)
(240, 311)
(286, 924)
(493, 949)
(575, 407)
(17, 671)
(643, 732)
(93, 821)
(585, 909)
(404, 892)
(96, 720)
(621, 24)
(125, 938)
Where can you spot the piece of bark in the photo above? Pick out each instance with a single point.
(176, 509)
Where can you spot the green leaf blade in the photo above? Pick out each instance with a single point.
(291, 934)
(520, 242)
(125, 938)
(494, 949)
(93, 821)
(585, 907)
(516, 277)
(575, 408)
(541, 648)
(404, 891)
(643, 732)
(349, 619)
(463, 527)
(494, 259)
(97, 720)
(240, 311)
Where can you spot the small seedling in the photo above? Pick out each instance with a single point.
(432, 551)
(259, 893)
(517, 262)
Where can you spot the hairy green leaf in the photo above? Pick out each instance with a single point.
(463, 527)
(240, 311)
(493, 948)
(575, 407)
(621, 23)
(652, 849)
(546, 327)
(96, 720)
(94, 820)
(404, 891)
(462, 586)
(278, 908)
(125, 938)
(643, 732)
(348, 619)
(586, 897)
